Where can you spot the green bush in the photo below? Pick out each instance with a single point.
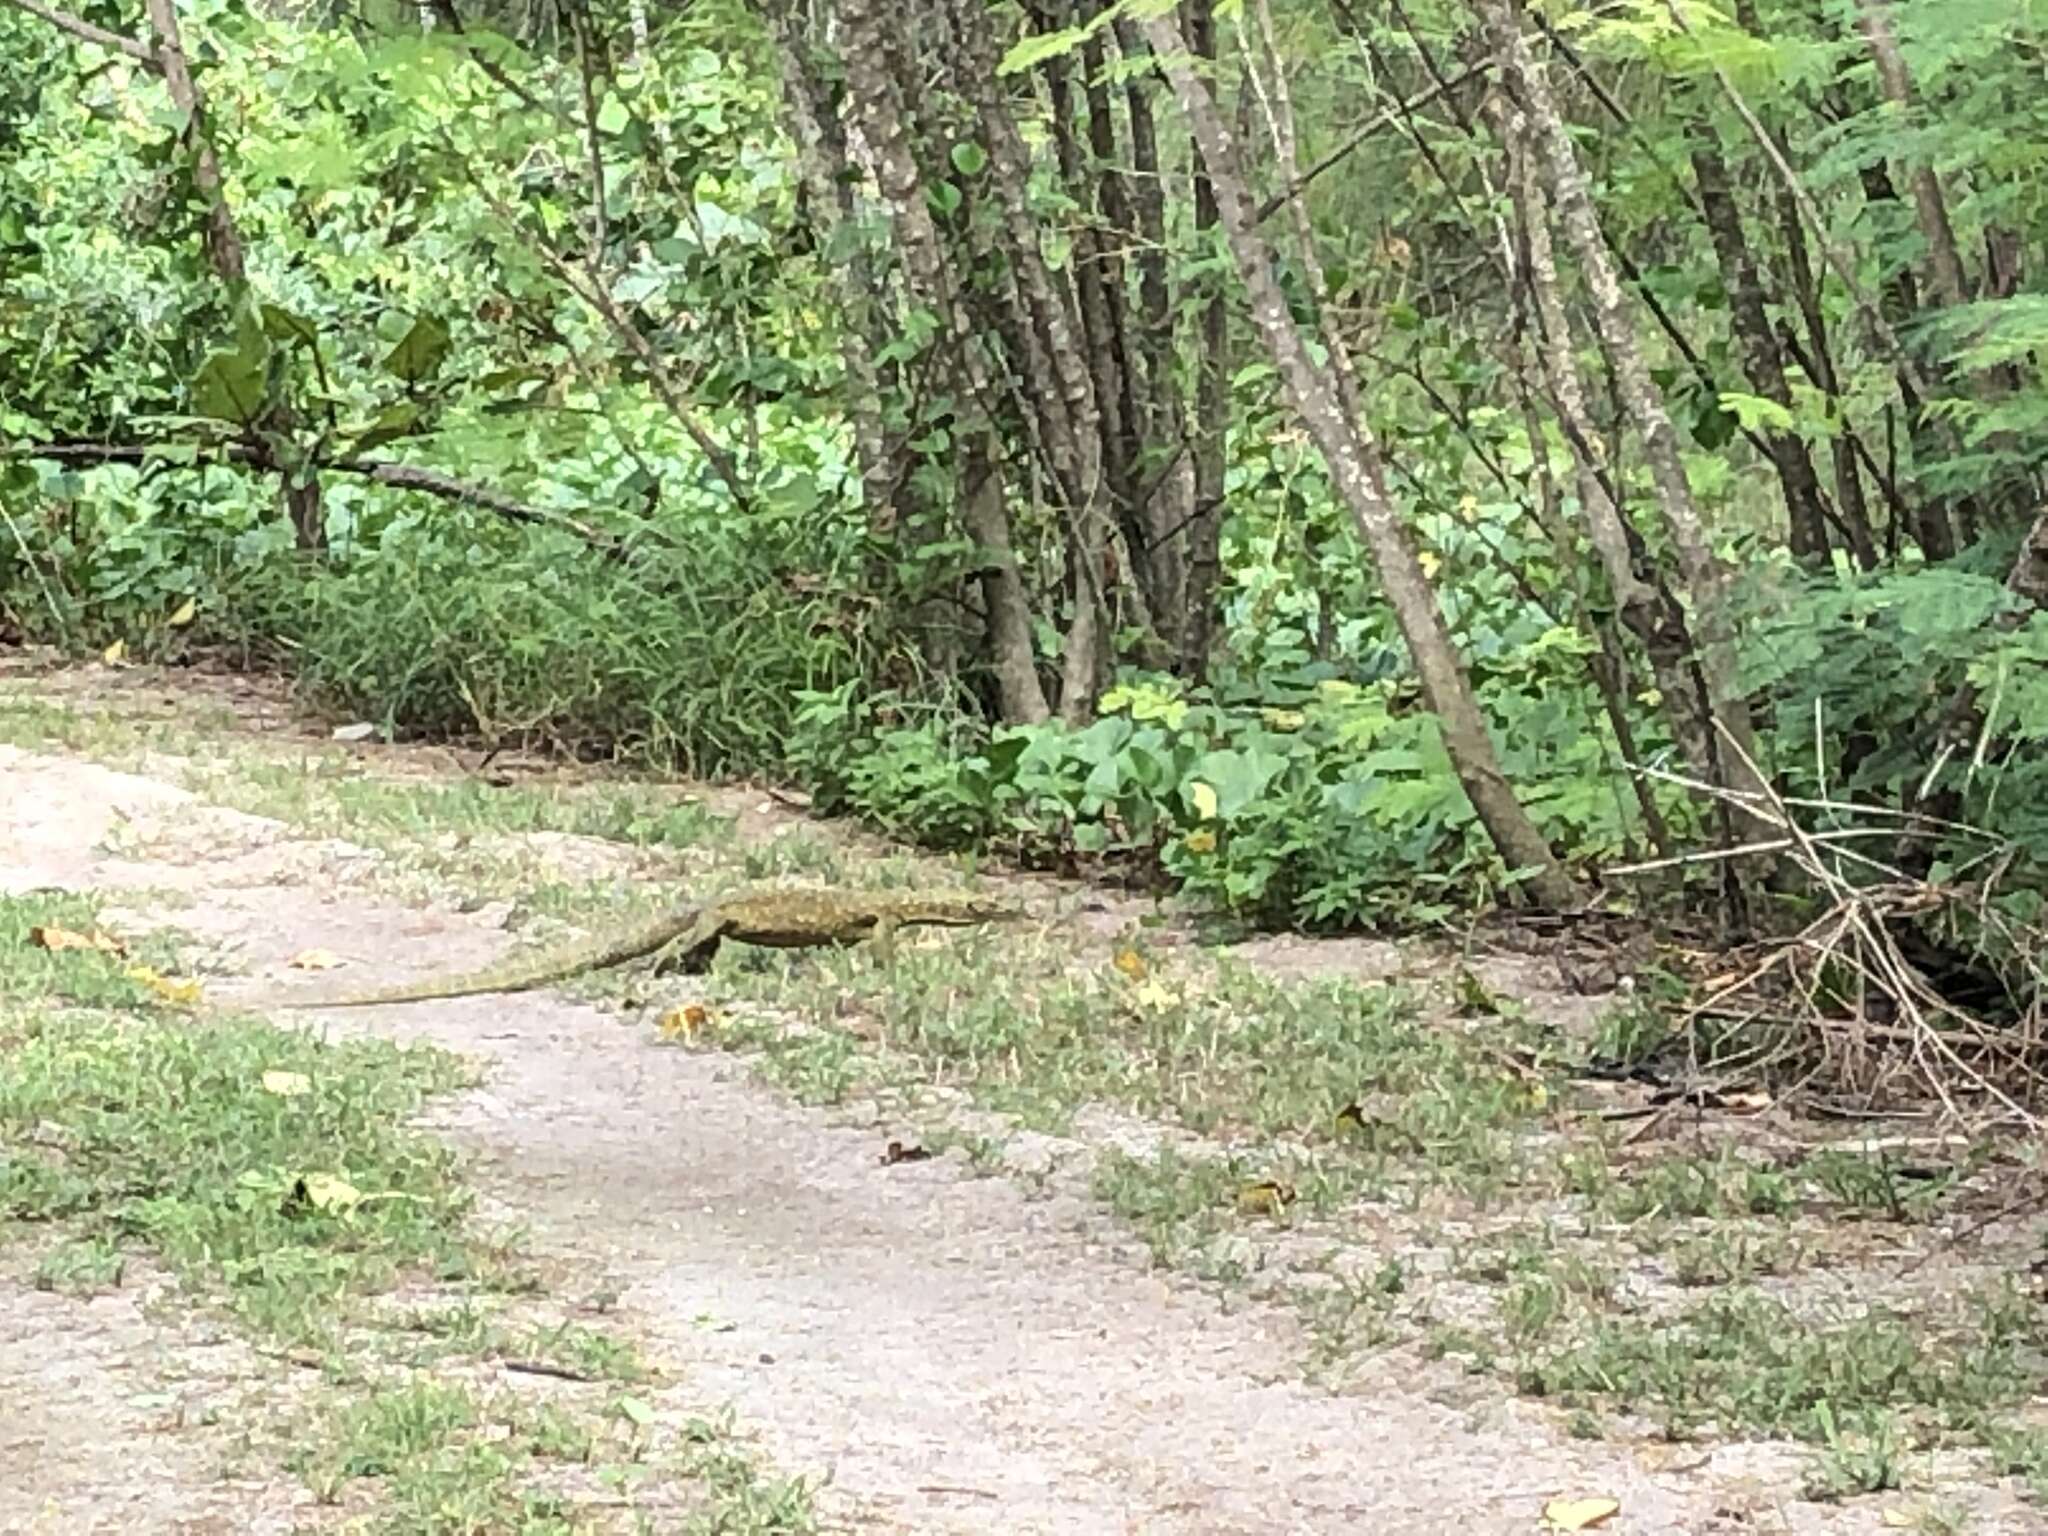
(1335, 809)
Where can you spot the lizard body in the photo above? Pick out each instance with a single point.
(686, 939)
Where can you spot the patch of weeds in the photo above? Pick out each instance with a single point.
(1743, 1361)
(257, 1159)
(444, 1460)
(1178, 1204)
(1940, 1520)
(378, 1435)
(82, 1267)
(816, 1066)
(745, 1500)
(1861, 1456)
(986, 1155)
(1354, 1072)
(1632, 1033)
(1721, 1187)
(2020, 1451)
(588, 1352)
(107, 734)
(1351, 1311)
(1584, 1424)
(1727, 1254)
(794, 856)
(1878, 1184)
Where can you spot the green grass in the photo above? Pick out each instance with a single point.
(1220, 1051)
(451, 1460)
(279, 1177)
(138, 1123)
(1742, 1361)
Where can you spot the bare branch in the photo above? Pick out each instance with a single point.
(403, 477)
(411, 477)
(79, 27)
(1364, 131)
(452, 20)
(600, 228)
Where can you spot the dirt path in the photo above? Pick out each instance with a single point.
(950, 1353)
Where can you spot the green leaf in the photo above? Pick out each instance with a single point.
(612, 117)
(1036, 50)
(1756, 413)
(969, 158)
(419, 353)
(393, 422)
(229, 387)
(1238, 777)
(281, 324)
(637, 1411)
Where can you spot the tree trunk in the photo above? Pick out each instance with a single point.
(1011, 658)
(298, 490)
(1641, 596)
(1944, 261)
(1209, 434)
(1069, 418)
(1352, 459)
(1763, 364)
(826, 175)
(1167, 494)
(1641, 401)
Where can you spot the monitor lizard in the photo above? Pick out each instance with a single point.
(686, 938)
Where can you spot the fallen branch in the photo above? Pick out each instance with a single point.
(1847, 1003)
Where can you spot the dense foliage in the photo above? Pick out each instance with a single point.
(1033, 437)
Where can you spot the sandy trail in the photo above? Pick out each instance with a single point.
(949, 1353)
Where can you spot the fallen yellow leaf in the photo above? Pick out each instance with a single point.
(115, 654)
(1579, 1514)
(683, 1022)
(187, 612)
(1131, 963)
(330, 1192)
(287, 1085)
(1151, 993)
(315, 960)
(49, 936)
(185, 992)
(1267, 1197)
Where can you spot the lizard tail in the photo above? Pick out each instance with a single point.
(557, 966)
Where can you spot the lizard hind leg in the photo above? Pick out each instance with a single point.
(691, 953)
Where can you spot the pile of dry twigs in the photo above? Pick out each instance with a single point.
(1841, 1008)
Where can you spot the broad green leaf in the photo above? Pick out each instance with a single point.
(1237, 777)
(418, 355)
(281, 324)
(230, 387)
